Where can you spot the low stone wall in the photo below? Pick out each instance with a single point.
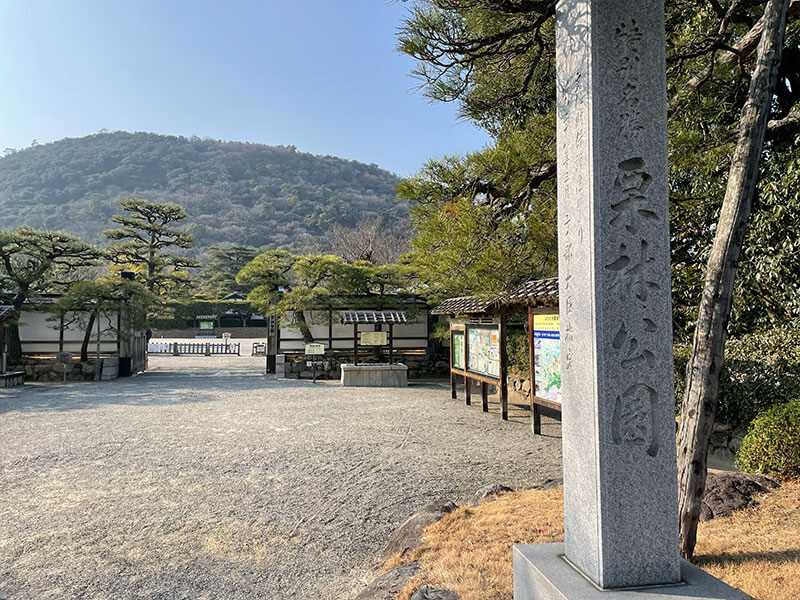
(419, 366)
(47, 369)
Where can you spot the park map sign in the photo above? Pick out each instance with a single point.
(483, 348)
(547, 357)
(475, 349)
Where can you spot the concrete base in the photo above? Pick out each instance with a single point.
(541, 573)
(13, 379)
(375, 375)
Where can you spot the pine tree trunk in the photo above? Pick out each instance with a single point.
(87, 336)
(13, 341)
(304, 328)
(13, 344)
(708, 352)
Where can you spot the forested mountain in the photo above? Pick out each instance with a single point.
(234, 192)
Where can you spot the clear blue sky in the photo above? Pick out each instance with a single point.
(322, 75)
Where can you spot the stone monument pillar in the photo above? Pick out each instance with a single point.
(620, 479)
(620, 474)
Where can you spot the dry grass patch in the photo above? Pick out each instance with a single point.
(469, 550)
(757, 550)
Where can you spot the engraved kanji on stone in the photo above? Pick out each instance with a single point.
(632, 208)
(629, 273)
(633, 423)
(629, 36)
(636, 349)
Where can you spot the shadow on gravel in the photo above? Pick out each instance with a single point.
(164, 390)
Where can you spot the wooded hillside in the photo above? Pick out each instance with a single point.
(234, 192)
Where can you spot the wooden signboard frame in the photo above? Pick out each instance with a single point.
(461, 328)
(536, 401)
(389, 339)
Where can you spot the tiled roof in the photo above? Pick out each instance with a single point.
(464, 305)
(373, 316)
(533, 291)
(543, 292)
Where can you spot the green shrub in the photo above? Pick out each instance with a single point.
(772, 446)
(517, 352)
(761, 369)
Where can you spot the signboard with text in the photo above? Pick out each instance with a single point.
(374, 338)
(547, 357)
(315, 349)
(483, 350)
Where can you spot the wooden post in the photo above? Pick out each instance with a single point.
(355, 344)
(3, 347)
(536, 411)
(485, 396)
(468, 390)
(503, 370)
(453, 386)
(391, 342)
(330, 328)
(61, 333)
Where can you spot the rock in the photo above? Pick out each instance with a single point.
(736, 443)
(440, 364)
(388, 585)
(719, 439)
(427, 592)
(306, 374)
(728, 492)
(408, 535)
(490, 490)
(549, 484)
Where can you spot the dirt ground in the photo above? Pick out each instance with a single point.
(202, 479)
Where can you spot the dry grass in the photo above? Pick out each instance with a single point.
(757, 550)
(469, 550)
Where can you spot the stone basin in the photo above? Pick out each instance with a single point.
(374, 375)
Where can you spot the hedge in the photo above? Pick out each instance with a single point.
(772, 446)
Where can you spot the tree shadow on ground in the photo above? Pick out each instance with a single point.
(143, 390)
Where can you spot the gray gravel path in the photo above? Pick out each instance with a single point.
(192, 482)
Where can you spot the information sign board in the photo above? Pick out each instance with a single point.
(547, 357)
(459, 356)
(483, 350)
(206, 324)
(315, 349)
(374, 338)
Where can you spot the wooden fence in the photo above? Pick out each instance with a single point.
(194, 348)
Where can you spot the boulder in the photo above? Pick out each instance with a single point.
(487, 491)
(549, 484)
(427, 592)
(388, 585)
(409, 534)
(728, 492)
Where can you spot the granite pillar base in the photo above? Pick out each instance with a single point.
(542, 573)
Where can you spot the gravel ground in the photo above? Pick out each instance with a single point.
(201, 479)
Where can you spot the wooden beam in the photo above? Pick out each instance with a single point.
(536, 413)
(355, 344)
(503, 369)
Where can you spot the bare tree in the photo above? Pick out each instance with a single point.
(368, 240)
(708, 352)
